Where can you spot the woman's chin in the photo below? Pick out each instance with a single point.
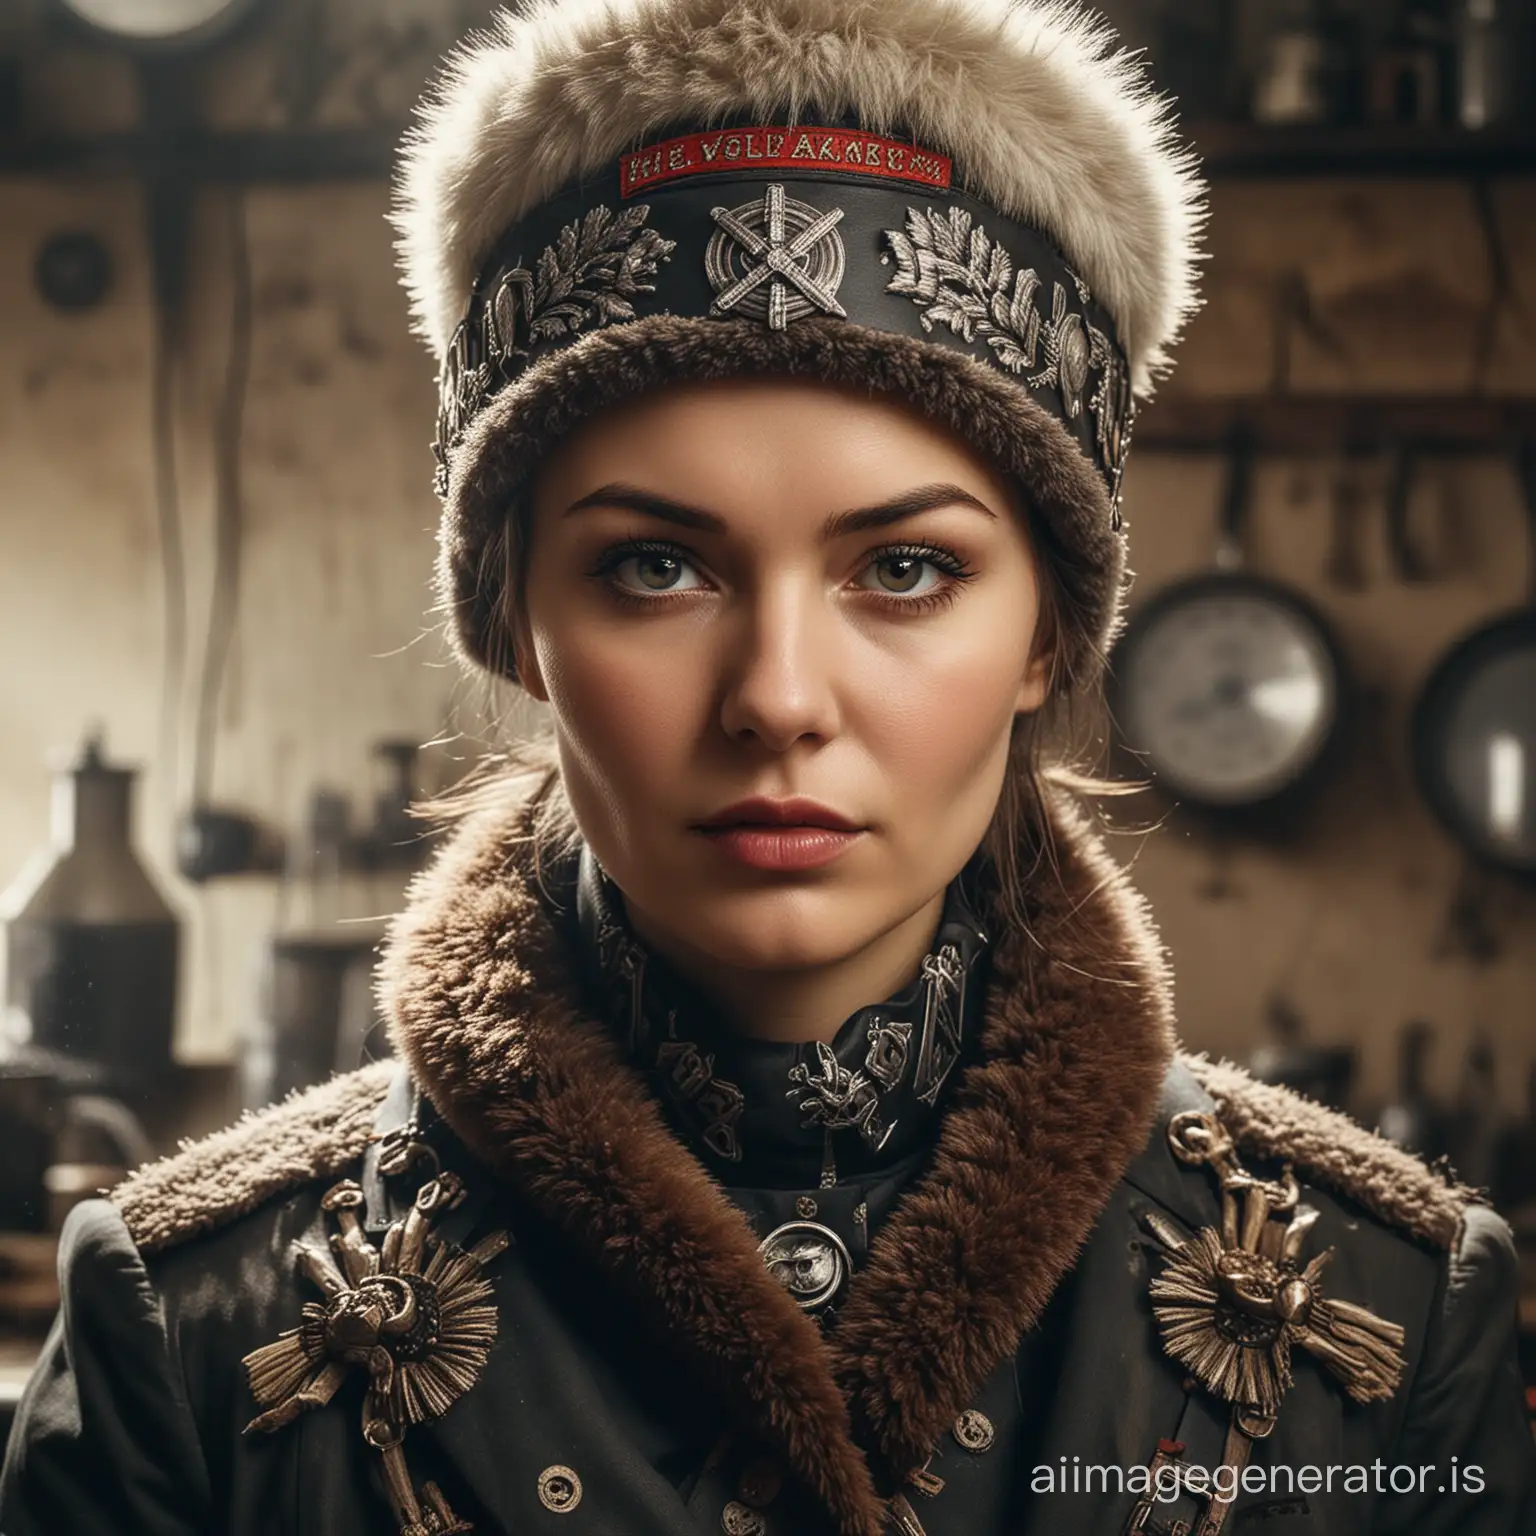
(775, 934)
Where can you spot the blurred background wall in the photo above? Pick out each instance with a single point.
(296, 377)
(1350, 296)
(216, 516)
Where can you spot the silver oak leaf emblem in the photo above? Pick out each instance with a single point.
(964, 279)
(587, 276)
(590, 273)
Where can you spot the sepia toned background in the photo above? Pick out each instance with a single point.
(216, 518)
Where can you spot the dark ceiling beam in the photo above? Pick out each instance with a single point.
(1326, 424)
(1229, 150)
(1391, 150)
(364, 154)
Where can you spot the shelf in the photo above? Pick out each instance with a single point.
(1227, 150)
(1389, 149)
(364, 154)
(1306, 424)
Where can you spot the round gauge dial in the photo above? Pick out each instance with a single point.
(157, 21)
(1475, 742)
(1231, 688)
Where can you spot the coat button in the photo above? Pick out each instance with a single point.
(760, 1483)
(559, 1489)
(973, 1429)
(741, 1520)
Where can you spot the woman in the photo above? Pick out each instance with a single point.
(789, 1133)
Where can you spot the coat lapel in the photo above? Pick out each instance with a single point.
(1077, 1039)
(485, 1008)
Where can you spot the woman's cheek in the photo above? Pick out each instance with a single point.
(938, 725)
(625, 705)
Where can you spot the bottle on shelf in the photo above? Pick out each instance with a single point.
(1310, 66)
(1484, 50)
(1412, 70)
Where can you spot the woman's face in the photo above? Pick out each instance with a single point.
(776, 588)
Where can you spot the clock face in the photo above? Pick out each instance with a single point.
(1229, 688)
(152, 20)
(1476, 741)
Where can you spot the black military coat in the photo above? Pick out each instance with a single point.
(999, 1365)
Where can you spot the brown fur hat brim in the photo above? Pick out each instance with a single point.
(490, 470)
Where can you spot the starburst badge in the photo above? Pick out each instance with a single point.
(1233, 1305)
(777, 260)
(415, 1315)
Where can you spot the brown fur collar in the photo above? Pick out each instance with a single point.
(479, 987)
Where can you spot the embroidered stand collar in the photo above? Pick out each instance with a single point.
(482, 987)
(777, 1114)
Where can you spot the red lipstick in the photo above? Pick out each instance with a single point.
(796, 833)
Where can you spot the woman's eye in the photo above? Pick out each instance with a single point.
(915, 576)
(653, 571)
(903, 573)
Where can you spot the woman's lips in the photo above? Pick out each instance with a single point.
(766, 847)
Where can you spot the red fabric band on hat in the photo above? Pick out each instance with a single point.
(848, 151)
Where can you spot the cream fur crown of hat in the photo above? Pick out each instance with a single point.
(980, 206)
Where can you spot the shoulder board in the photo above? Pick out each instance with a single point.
(312, 1134)
(1333, 1152)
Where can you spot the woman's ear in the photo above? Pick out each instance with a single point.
(1035, 686)
(524, 656)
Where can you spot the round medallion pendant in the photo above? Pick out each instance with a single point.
(809, 1260)
(559, 1489)
(738, 1519)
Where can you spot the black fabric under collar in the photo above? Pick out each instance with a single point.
(766, 1113)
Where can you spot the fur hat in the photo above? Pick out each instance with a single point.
(977, 205)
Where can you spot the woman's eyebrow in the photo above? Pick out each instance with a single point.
(921, 498)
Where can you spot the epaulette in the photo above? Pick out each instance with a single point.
(312, 1134)
(1332, 1151)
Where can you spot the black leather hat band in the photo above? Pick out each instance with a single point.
(818, 221)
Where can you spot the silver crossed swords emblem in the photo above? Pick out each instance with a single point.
(798, 258)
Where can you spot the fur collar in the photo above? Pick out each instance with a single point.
(478, 985)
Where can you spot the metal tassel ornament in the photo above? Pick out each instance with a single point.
(1233, 1304)
(416, 1314)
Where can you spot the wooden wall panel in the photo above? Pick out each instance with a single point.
(1343, 286)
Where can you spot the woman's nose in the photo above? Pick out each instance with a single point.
(778, 667)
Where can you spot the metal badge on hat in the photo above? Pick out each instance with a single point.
(967, 281)
(1232, 1305)
(591, 274)
(776, 260)
(983, 283)
(415, 1315)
